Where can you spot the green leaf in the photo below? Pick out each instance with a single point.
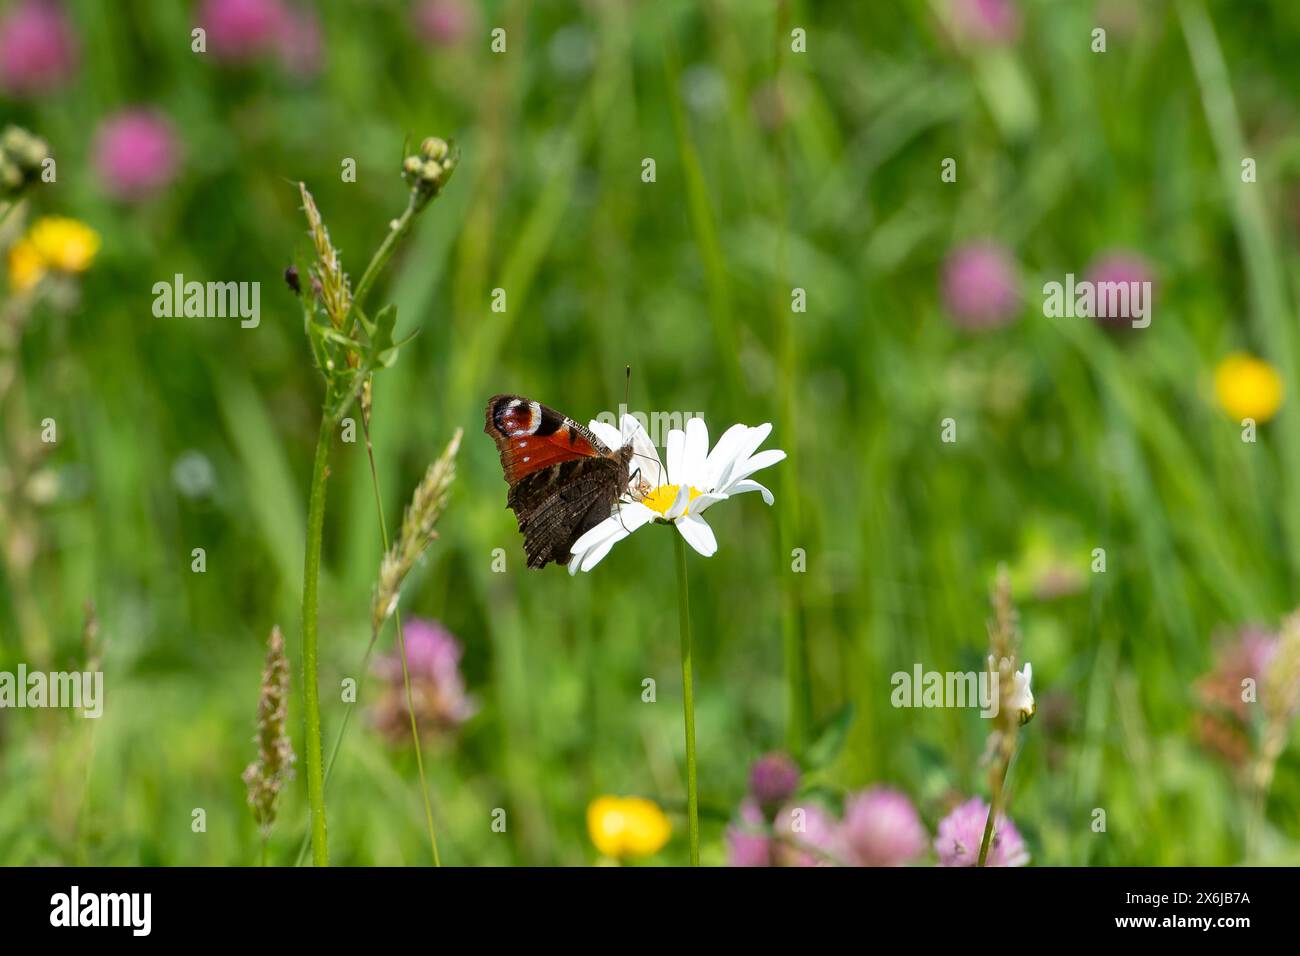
(338, 338)
(366, 324)
(388, 357)
(381, 340)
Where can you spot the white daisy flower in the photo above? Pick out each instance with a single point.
(694, 480)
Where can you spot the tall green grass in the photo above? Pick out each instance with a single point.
(1069, 436)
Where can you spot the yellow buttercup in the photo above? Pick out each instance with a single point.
(626, 827)
(25, 266)
(64, 245)
(52, 244)
(1248, 387)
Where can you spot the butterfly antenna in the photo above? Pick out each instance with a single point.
(658, 477)
(627, 391)
(625, 438)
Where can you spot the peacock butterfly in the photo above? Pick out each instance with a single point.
(563, 479)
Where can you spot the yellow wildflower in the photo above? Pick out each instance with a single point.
(623, 827)
(1248, 387)
(64, 245)
(25, 266)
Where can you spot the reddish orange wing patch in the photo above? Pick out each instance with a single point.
(523, 456)
(530, 436)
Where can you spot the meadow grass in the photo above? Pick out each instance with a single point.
(1070, 437)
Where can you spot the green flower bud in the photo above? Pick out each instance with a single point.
(12, 137)
(23, 148)
(11, 177)
(434, 148)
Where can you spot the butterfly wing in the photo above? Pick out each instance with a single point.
(558, 506)
(563, 479)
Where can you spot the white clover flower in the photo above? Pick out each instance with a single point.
(1022, 698)
(694, 480)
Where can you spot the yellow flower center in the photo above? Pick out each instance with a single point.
(662, 498)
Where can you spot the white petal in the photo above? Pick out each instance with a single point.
(646, 457)
(674, 445)
(694, 454)
(633, 515)
(745, 447)
(764, 459)
(593, 557)
(698, 534)
(680, 503)
(744, 485)
(604, 536)
(629, 518)
(606, 433)
(755, 437)
(597, 534)
(722, 454)
(706, 500)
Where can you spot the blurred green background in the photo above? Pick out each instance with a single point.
(774, 170)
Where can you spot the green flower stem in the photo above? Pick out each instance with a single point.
(688, 703)
(995, 803)
(311, 692)
(364, 668)
(396, 233)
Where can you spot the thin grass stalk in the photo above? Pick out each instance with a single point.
(415, 737)
(401, 642)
